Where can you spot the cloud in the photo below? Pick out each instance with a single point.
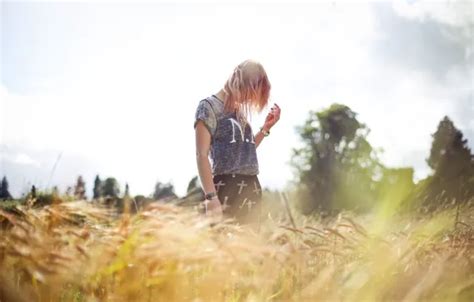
(426, 61)
(455, 20)
(426, 45)
(24, 159)
(458, 13)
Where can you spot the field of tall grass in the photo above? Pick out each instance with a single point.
(76, 251)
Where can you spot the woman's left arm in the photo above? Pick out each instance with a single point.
(259, 136)
(271, 119)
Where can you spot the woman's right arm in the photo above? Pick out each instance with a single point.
(203, 143)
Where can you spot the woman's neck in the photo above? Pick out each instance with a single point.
(221, 95)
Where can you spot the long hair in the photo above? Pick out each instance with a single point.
(247, 90)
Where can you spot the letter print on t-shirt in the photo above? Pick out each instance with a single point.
(235, 124)
(233, 148)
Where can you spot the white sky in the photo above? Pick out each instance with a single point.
(114, 86)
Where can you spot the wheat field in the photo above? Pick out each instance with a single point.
(76, 251)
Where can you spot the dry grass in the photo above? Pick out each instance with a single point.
(77, 252)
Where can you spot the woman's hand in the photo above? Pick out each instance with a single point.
(213, 208)
(272, 117)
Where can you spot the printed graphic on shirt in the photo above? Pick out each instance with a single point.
(235, 124)
(233, 148)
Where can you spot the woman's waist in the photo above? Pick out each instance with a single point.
(248, 169)
(235, 175)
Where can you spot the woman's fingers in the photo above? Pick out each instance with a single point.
(277, 111)
(269, 118)
(215, 213)
(213, 207)
(273, 116)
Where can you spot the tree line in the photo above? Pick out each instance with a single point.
(337, 168)
(107, 188)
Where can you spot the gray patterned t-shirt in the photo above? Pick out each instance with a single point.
(233, 148)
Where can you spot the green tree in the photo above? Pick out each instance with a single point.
(127, 191)
(453, 165)
(33, 191)
(98, 188)
(336, 166)
(163, 191)
(80, 189)
(111, 187)
(449, 156)
(193, 185)
(4, 193)
(55, 191)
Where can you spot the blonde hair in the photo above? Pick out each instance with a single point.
(247, 90)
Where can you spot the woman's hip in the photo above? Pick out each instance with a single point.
(242, 183)
(238, 193)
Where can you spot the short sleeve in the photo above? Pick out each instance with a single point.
(205, 113)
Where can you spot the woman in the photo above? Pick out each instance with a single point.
(221, 125)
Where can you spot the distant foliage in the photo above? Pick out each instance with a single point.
(193, 185)
(127, 191)
(336, 166)
(80, 189)
(55, 190)
(40, 198)
(111, 188)
(98, 188)
(163, 191)
(33, 191)
(453, 166)
(449, 156)
(4, 193)
(47, 198)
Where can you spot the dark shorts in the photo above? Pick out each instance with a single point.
(240, 196)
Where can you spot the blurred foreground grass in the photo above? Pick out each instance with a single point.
(75, 251)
